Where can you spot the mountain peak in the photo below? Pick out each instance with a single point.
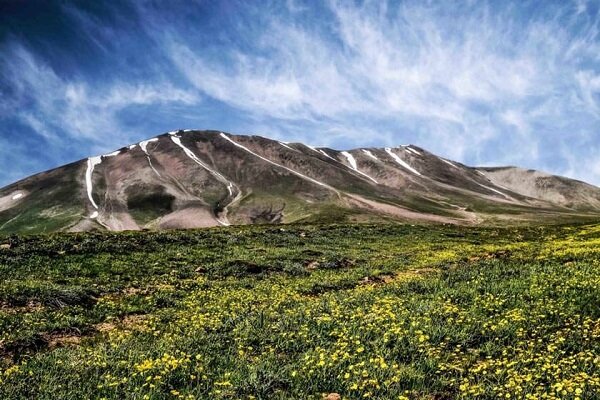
(191, 178)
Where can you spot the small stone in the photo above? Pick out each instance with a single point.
(312, 265)
(5, 246)
(333, 396)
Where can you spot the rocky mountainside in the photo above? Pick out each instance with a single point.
(188, 179)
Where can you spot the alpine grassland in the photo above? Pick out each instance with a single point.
(352, 311)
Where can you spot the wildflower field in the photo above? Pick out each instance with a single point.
(302, 312)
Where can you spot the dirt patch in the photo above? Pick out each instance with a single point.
(191, 217)
(54, 340)
(130, 322)
(404, 275)
(133, 321)
(396, 211)
(118, 221)
(499, 255)
(379, 279)
(105, 327)
(30, 307)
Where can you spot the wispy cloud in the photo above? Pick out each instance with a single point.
(481, 82)
(58, 108)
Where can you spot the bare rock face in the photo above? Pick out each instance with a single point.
(191, 179)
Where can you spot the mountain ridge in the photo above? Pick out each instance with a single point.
(192, 178)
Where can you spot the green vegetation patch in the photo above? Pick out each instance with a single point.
(146, 203)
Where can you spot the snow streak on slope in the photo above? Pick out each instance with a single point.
(144, 147)
(313, 148)
(351, 160)
(493, 190)
(286, 146)
(190, 154)
(327, 155)
(367, 152)
(410, 149)
(144, 144)
(401, 161)
(224, 136)
(320, 151)
(17, 196)
(354, 166)
(449, 163)
(91, 163)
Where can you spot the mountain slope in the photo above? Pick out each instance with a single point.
(187, 179)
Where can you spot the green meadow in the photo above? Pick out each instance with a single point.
(303, 312)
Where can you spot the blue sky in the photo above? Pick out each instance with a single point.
(485, 83)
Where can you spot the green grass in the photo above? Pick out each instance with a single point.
(298, 311)
(49, 207)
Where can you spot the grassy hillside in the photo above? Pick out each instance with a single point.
(300, 312)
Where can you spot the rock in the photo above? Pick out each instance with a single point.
(312, 265)
(333, 396)
(5, 246)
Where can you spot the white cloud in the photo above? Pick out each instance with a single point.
(480, 82)
(589, 88)
(457, 79)
(71, 108)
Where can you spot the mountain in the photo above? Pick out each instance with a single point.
(188, 179)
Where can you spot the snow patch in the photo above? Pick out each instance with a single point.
(114, 153)
(351, 160)
(412, 150)
(313, 148)
(354, 166)
(144, 144)
(286, 146)
(327, 155)
(401, 161)
(190, 154)
(223, 223)
(91, 164)
(493, 190)
(17, 196)
(320, 151)
(278, 165)
(368, 153)
(133, 146)
(144, 147)
(450, 163)
(172, 133)
(94, 215)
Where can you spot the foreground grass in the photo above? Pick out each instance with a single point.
(386, 312)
